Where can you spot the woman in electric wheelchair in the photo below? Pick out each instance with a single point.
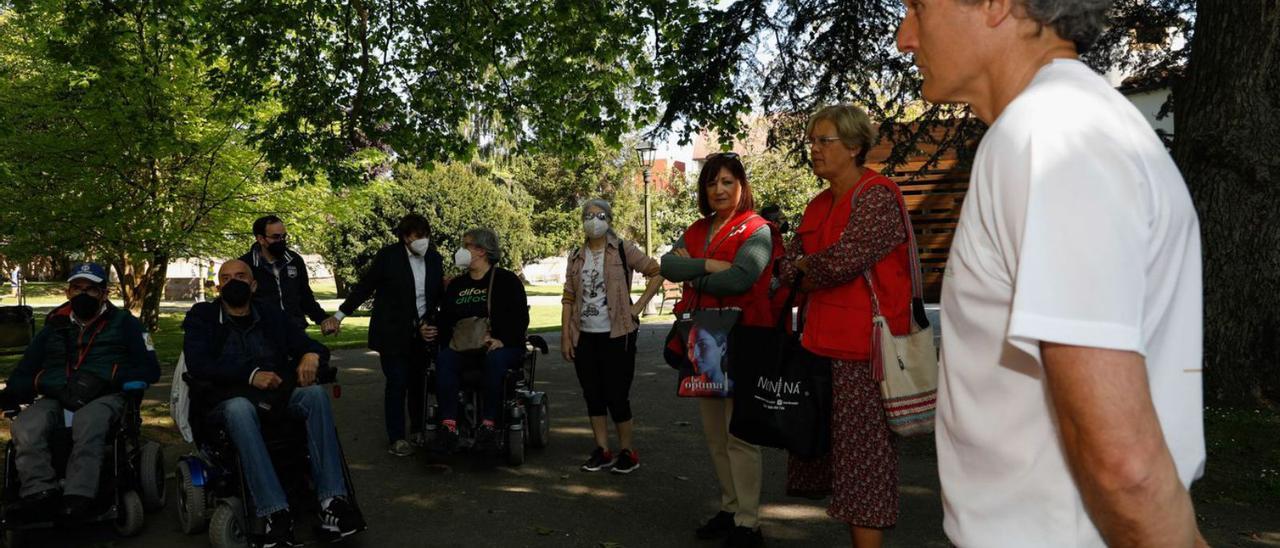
(482, 321)
(253, 377)
(90, 363)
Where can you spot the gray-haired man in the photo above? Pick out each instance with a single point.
(1069, 399)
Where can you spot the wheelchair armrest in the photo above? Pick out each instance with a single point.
(537, 342)
(135, 388)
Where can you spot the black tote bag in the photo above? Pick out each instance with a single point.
(782, 394)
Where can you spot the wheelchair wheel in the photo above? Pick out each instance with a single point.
(153, 493)
(191, 501)
(131, 515)
(539, 424)
(227, 528)
(515, 447)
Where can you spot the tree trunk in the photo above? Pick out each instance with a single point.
(341, 284)
(142, 279)
(1227, 115)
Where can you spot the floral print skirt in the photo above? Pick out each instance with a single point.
(861, 473)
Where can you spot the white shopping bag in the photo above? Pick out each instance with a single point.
(180, 400)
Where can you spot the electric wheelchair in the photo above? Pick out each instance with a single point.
(211, 487)
(131, 482)
(524, 420)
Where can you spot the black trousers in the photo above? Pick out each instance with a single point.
(405, 373)
(606, 366)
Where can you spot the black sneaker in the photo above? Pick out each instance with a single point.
(487, 439)
(279, 531)
(716, 527)
(76, 507)
(744, 537)
(627, 462)
(39, 507)
(445, 442)
(600, 459)
(339, 519)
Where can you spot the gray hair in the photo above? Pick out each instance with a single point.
(605, 207)
(487, 240)
(1080, 21)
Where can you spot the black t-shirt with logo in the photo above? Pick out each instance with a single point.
(468, 298)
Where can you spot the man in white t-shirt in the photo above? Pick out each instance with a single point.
(1069, 398)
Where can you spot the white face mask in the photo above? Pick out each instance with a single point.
(462, 257)
(420, 246)
(595, 228)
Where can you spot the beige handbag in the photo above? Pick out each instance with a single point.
(906, 366)
(469, 333)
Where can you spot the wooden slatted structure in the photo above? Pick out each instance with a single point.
(933, 198)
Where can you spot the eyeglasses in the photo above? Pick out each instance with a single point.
(725, 155)
(277, 237)
(91, 290)
(817, 142)
(597, 215)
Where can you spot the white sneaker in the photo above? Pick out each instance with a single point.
(400, 448)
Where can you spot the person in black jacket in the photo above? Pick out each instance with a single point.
(82, 358)
(281, 274)
(258, 361)
(484, 291)
(405, 281)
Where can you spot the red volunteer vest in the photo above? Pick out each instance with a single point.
(838, 319)
(755, 306)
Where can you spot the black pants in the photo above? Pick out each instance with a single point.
(606, 366)
(405, 374)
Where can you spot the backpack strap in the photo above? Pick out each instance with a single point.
(626, 269)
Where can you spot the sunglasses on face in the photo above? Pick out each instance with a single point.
(597, 215)
(725, 155)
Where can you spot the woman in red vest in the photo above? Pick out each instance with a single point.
(839, 239)
(723, 260)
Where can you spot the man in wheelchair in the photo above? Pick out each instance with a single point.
(79, 362)
(245, 355)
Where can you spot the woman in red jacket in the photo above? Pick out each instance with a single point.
(724, 259)
(840, 239)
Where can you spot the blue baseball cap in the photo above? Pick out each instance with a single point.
(89, 271)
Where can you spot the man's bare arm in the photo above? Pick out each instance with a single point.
(1115, 447)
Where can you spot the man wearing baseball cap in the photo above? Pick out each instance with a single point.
(87, 350)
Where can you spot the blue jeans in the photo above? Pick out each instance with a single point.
(404, 374)
(449, 371)
(311, 403)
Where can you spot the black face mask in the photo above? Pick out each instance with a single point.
(85, 306)
(277, 249)
(236, 293)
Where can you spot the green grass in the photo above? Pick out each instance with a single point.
(324, 288)
(39, 294)
(354, 334)
(168, 339)
(544, 290)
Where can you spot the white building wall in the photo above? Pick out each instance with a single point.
(1149, 102)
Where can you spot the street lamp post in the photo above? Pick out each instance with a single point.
(646, 151)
